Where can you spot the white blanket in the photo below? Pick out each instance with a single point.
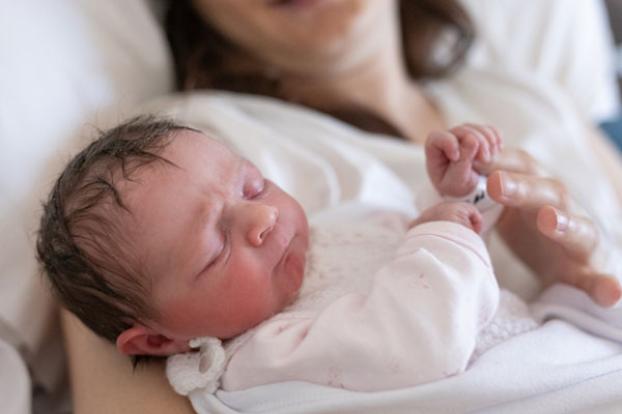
(326, 164)
(556, 368)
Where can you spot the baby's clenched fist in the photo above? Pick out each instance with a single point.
(456, 158)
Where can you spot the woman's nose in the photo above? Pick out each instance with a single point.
(258, 221)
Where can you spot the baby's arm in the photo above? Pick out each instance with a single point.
(418, 323)
(456, 158)
(457, 212)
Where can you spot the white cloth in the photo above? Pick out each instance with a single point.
(378, 309)
(565, 42)
(555, 369)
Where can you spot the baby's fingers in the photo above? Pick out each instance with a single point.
(476, 221)
(468, 215)
(604, 290)
(577, 235)
(473, 143)
(492, 136)
(442, 142)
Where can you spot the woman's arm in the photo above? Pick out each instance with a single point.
(103, 381)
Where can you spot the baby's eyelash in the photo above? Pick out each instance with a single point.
(218, 256)
(224, 251)
(256, 191)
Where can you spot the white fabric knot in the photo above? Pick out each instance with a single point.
(197, 370)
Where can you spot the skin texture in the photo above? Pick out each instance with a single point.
(223, 247)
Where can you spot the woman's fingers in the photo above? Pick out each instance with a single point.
(526, 191)
(604, 290)
(513, 160)
(577, 235)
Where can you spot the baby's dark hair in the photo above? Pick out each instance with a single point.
(82, 245)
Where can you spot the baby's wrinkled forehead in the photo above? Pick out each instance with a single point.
(216, 142)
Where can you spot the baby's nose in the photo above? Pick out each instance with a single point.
(261, 221)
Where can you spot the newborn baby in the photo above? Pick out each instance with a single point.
(162, 240)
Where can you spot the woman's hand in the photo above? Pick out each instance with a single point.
(542, 227)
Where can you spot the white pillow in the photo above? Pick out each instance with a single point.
(569, 42)
(64, 65)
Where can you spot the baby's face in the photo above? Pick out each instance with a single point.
(223, 247)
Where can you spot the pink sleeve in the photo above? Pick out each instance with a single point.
(418, 323)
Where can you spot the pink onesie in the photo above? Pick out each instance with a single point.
(379, 309)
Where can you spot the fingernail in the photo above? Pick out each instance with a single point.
(508, 186)
(562, 222)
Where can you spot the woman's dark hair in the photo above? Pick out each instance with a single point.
(82, 244)
(436, 35)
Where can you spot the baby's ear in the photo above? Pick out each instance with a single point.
(140, 340)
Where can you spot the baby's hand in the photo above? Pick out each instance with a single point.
(457, 212)
(456, 158)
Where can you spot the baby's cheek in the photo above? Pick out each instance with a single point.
(180, 317)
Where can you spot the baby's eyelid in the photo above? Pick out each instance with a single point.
(257, 188)
(220, 253)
